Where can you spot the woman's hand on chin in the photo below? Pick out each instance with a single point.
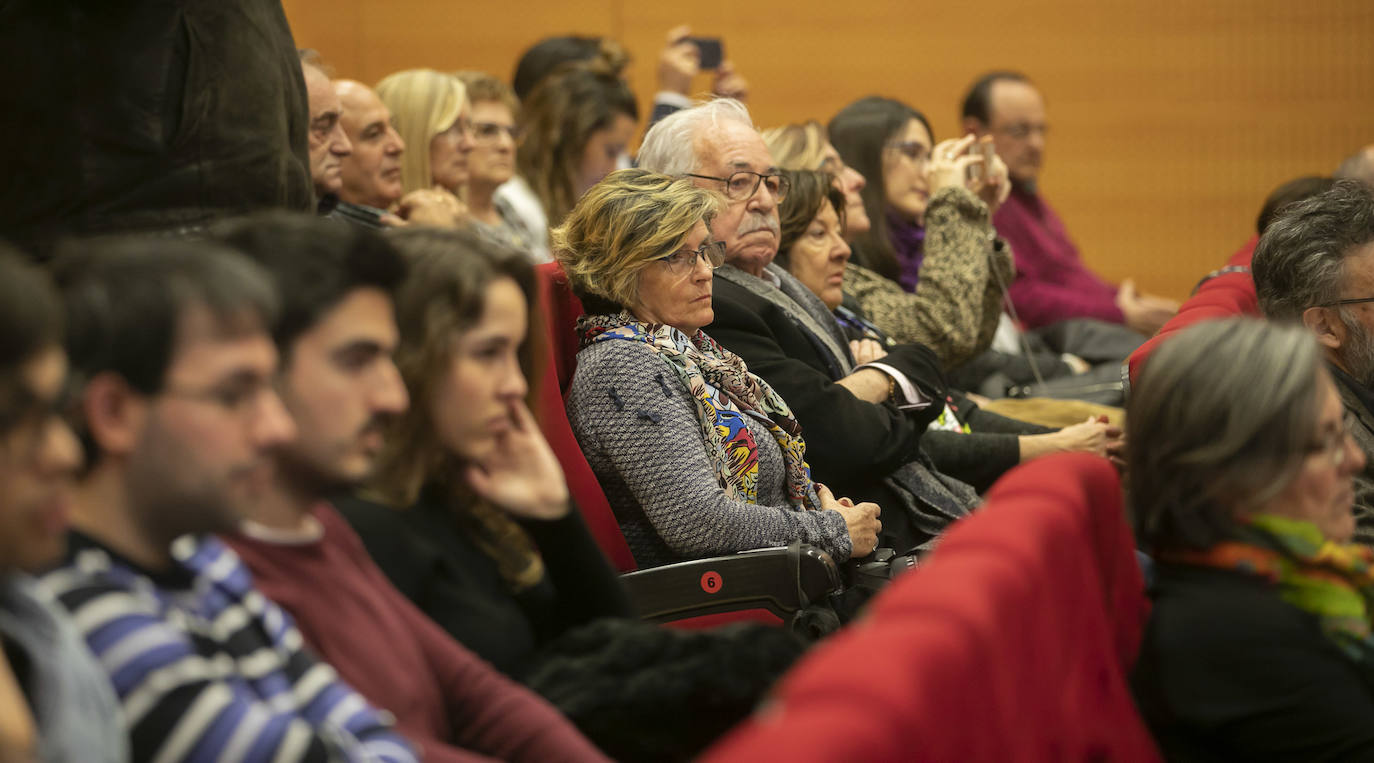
(520, 473)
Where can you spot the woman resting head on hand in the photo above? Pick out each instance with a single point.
(1241, 485)
(697, 455)
(463, 313)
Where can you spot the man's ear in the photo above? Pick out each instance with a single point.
(1324, 324)
(113, 413)
(974, 126)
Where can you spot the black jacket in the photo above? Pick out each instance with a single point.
(135, 115)
(444, 572)
(1229, 671)
(852, 445)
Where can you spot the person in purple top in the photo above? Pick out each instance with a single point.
(1052, 283)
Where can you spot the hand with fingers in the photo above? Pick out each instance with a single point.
(949, 164)
(861, 520)
(866, 351)
(432, 206)
(521, 474)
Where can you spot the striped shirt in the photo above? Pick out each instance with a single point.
(207, 668)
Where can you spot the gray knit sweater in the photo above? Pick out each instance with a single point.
(637, 425)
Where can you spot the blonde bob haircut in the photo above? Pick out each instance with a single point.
(423, 103)
(624, 224)
(797, 147)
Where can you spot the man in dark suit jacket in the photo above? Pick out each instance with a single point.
(862, 425)
(1315, 264)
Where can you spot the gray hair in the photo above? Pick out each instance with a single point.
(1300, 260)
(669, 148)
(1218, 422)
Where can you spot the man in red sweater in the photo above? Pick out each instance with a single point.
(336, 335)
(1052, 282)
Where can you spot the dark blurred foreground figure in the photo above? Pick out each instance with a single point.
(661, 694)
(1259, 646)
(55, 701)
(142, 116)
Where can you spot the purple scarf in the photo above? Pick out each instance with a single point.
(908, 241)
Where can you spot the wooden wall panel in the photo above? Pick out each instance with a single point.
(1171, 120)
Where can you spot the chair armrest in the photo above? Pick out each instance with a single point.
(781, 580)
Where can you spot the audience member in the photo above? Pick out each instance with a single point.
(327, 141)
(371, 174)
(1258, 646)
(1315, 264)
(679, 63)
(430, 112)
(55, 701)
(495, 138)
(918, 196)
(477, 529)
(1052, 281)
(697, 456)
(807, 146)
(577, 124)
(1358, 166)
(147, 117)
(171, 352)
(864, 420)
(337, 334)
(554, 53)
(964, 441)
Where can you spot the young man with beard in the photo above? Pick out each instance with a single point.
(174, 366)
(337, 334)
(1315, 264)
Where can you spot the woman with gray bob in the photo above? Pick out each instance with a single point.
(697, 456)
(1241, 473)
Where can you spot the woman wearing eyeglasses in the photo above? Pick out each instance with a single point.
(697, 456)
(1241, 470)
(957, 309)
(495, 137)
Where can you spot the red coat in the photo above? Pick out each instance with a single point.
(1223, 296)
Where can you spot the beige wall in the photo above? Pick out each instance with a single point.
(1171, 120)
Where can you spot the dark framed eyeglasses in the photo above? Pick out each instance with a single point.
(1356, 301)
(684, 261)
(744, 184)
(489, 132)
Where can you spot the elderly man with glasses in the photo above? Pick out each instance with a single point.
(863, 423)
(1315, 264)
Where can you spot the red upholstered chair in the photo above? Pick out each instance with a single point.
(1223, 294)
(770, 585)
(1011, 642)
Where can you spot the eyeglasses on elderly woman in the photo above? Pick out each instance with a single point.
(684, 260)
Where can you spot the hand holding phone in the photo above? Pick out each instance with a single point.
(711, 50)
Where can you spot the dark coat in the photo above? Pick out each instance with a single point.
(147, 116)
(852, 445)
(1229, 671)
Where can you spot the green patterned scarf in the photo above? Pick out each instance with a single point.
(1332, 581)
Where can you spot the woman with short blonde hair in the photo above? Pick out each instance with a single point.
(697, 456)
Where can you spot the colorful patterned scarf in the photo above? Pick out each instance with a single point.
(724, 392)
(1332, 581)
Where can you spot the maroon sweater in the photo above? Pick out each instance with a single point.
(1052, 283)
(444, 697)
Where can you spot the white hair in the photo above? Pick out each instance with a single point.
(670, 145)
